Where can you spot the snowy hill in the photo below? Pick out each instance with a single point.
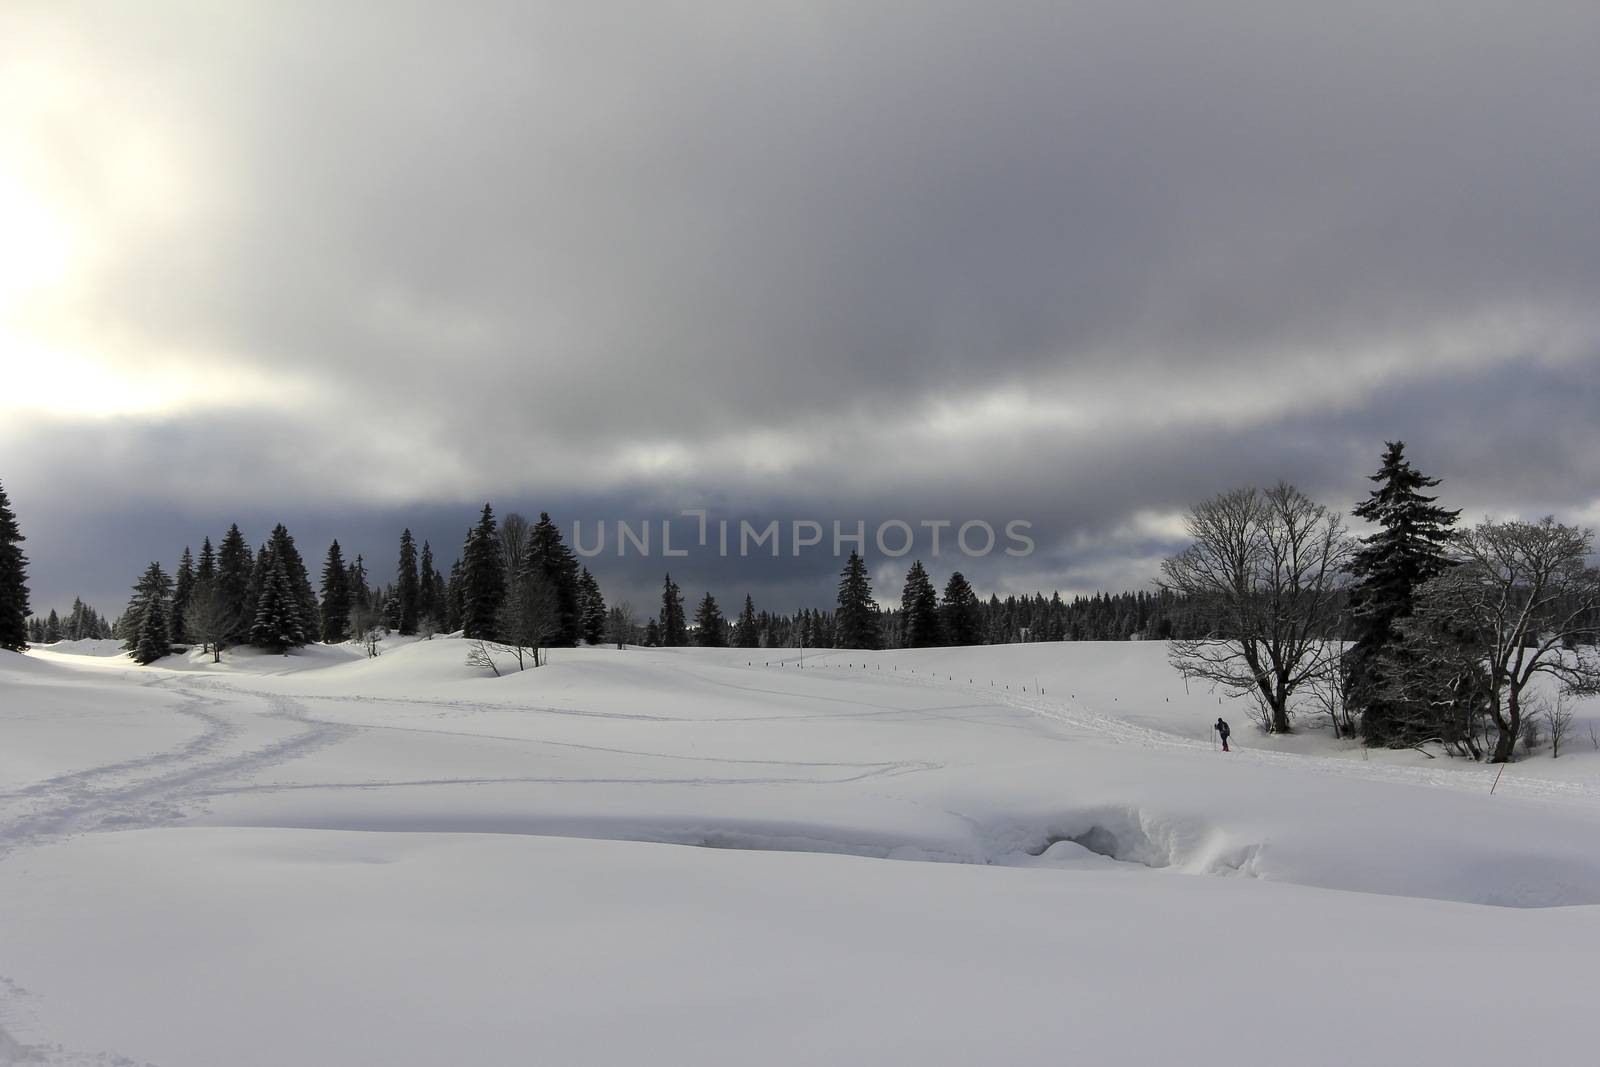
(417, 863)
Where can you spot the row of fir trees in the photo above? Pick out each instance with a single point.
(518, 583)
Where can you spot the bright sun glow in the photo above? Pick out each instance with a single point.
(36, 249)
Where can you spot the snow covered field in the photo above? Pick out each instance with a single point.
(325, 859)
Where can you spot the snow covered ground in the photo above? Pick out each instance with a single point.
(326, 859)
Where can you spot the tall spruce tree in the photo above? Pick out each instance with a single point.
(407, 586)
(674, 630)
(336, 602)
(147, 622)
(1407, 549)
(205, 586)
(52, 628)
(13, 580)
(452, 599)
(205, 569)
(234, 566)
(279, 623)
(709, 627)
(548, 556)
(182, 591)
(360, 590)
(441, 601)
(961, 612)
(483, 579)
(291, 616)
(591, 608)
(919, 610)
(427, 590)
(856, 617)
(745, 631)
(299, 578)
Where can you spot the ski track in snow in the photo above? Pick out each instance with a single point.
(148, 791)
(151, 790)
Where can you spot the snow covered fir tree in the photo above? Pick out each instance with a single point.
(13, 580)
(1410, 547)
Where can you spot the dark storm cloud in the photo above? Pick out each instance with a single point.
(1074, 263)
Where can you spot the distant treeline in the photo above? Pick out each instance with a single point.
(927, 619)
(1127, 616)
(517, 582)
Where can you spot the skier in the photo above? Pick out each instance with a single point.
(1222, 729)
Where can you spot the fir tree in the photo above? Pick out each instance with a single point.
(154, 635)
(961, 612)
(389, 608)
(147, 622)
(548, 556)
(856, 617)
(428, 605)
(279, 622)
(292, 618)
(13, 581)
(483, 579)
(745, 633)
(52, 628)
(452, 599)
(652, 634)
(919, 610)
(709, 625)
(360, 590)
(234, 567)
(336, 603)
(406, 587)
(591, 608)
(674, 629)
(205, 569)
(441, 601)
(308, 613)
(1407, 550)
(182, 590)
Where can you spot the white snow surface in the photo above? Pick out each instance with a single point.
(322, 858)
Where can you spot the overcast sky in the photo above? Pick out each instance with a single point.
(357, 266)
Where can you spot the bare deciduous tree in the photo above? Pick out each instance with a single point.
(1526, 590)
(1558, 719)
(1329, 687)
(529, 620)
(367, 626)
(513, 546)
(620, 624)
(209, 619)
(1267, 567)
(481, 654)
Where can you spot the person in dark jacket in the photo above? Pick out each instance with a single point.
(1223, 731)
